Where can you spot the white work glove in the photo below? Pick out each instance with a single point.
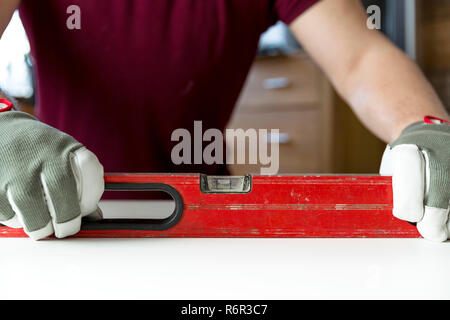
(419, 163)
(48, 180)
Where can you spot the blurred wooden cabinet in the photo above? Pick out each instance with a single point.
(289, 93)
(433, 44)
(320, 132)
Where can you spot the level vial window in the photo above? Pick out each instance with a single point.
(224, 184)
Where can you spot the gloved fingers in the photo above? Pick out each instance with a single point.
(386, 163)
(88, 173)
(95, 216)
(60, 192)
(14, 223)
(28, 203)
(448, 224)
(434, 225)
(7, 216)
(407, 166)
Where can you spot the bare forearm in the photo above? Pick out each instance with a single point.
(388, 91)
(384, 87)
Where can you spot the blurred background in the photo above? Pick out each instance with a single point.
(286, 90)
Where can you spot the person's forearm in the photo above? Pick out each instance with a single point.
(388, 91)
(385, 88)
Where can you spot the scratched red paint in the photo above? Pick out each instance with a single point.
(277, 207)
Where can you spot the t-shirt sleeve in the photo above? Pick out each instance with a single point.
(288, 10)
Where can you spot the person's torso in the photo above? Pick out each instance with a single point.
(138, 69)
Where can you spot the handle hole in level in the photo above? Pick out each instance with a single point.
(137, 205)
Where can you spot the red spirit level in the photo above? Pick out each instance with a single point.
(284, 206)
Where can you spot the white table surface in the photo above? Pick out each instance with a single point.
(221, 268)
(224, 269)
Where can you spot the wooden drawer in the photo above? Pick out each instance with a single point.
(300, 154)
(281, 82)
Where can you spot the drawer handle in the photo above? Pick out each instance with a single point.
(276, 83)
(280, 138)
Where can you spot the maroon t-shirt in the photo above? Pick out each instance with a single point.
(139, 69)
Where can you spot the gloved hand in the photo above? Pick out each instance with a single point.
(48, 180)
(419, 162)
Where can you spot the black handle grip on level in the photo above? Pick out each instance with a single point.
(139, 224)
